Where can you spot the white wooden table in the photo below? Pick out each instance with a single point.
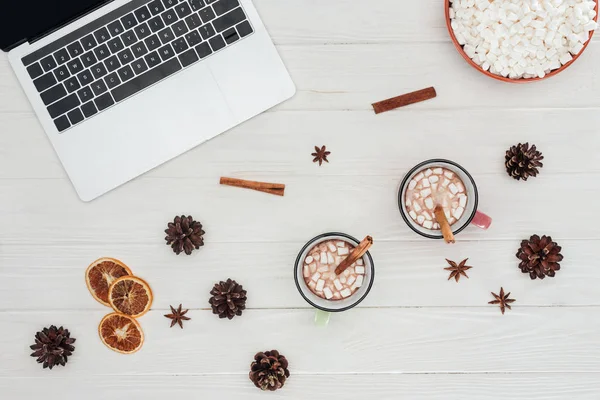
(417, 336)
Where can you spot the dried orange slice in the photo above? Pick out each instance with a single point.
(121, 333)
(101, 274)
(130, 295)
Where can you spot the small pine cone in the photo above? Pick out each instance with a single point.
(228, 299)
(53, 346)
(184, 234)
(539, 257)
(269, 370)
(523, 161)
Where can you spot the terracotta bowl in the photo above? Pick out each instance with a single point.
(459, 48)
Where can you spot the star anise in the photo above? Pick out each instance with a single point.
(177, 316)
(503, 300)
(320, 155)
(456, 270)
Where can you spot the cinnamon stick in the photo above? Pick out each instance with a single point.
(404, 100)
(265, 187)
(440, 216)
(355, 254)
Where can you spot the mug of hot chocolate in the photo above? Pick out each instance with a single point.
(439, 198)
(334, 272)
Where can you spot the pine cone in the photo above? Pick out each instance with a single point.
(53, 346)
(184, 234)
(523, 161)
(269, 370)
(228, 299)
(539, 257)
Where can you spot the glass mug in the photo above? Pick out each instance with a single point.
(470, 215)
(326, 307)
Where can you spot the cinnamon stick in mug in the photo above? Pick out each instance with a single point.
(355, 255)
(440, 216)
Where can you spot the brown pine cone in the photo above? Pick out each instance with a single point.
(539, 257)
(228, 299)
(269, 370)
(53, 346)
(184, 234)
(523, 161)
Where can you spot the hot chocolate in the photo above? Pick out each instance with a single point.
(319, 270)
(431, 187)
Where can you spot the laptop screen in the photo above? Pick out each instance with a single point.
(25, 19)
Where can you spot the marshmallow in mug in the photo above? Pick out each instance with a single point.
(522, 38)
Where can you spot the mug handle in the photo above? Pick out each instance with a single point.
(322, 318)
(481, 220)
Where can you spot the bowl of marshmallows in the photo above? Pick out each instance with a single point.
(521, 40)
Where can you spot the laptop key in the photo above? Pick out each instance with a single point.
(166, 52)
(75, 49)
(75, 66)
(62, 123)
(203, 50)
(112, 63)
(85, 94)
(183, 9)
(64, 106)
(72, 84)
(115, 45)
(88, 42)
(142, 14)
(112, 80)
(166, 35)
(44, 82)
(139, 66)
(142, 31)
(188, 58)
(54, 93)
(207, 31)
(217, 43)
(129, 21)
(139, 49)
(197, 5)
(244, 29)
(152, 42)
(169, 3)
(129, 38)
(193, 21)
(193, 38)
(61, 56)
(115, 28)
(126, 56)
(99, 70)
(180, 45)
(207, 14)
(85, 77)
(156, 7)
(61, 73)
(104, 101)
(228, 20)
(125, 73)
(89, 109)
(156, 24)
(89, 59)
(152, 59)
(75, 116)
(224, 6)
(99, 87)
(180, 28)
(49, 63)
(169, 16)
(102, 52)
(147, 79)
(35, 70)
(102, 35)
(231, 35)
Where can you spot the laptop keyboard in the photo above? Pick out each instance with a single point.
(128, 50)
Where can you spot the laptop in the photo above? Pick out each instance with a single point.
(123, 86)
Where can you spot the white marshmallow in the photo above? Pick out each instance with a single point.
(428, 224)
(328, 293)
(425, 192)
(425, 183)
(419, 176)
(330, 259)
(320, 285)
(306, 271)
(309, 260)
(434, 179)
(412, 184)
(429, 203)
(462, 200)
(453, 188)
(428, 172)
(341, 244)
(427, 216)
(412, 214)
(420, 219)
(359, 281)
(315, 277)
(458, 212)
(351, 280)
(445, 183)
(313, 267)
(448, 174)
(438, 171)
(323, 268)
(417, 207)
(359, 261)
(342, 251)
(346, 292)
(338, 284)
(331, 247)
(359, 270)
(323, 258)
